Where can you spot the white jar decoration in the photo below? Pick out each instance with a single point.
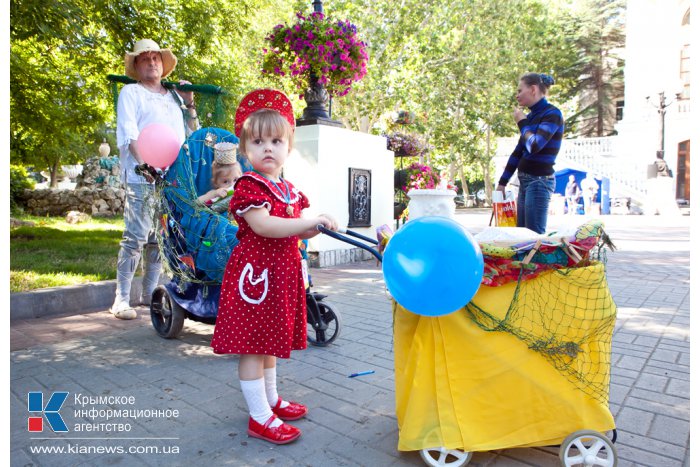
(431, 202)
(104, 148)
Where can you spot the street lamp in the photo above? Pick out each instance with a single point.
(661, 107)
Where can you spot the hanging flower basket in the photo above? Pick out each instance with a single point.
(404, 117)
(316, 48)
(407, 145)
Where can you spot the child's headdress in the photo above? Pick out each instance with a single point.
(263, 99)
(225, 153)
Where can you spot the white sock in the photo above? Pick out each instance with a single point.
(271, 387)
(254, 394)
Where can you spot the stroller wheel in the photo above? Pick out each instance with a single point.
(445, 457)
(587, 448)
(323, 332)
(166, 315)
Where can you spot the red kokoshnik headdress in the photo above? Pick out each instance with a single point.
(263, 99)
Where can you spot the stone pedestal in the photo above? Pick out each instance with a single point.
(320, 167)
(661, 197)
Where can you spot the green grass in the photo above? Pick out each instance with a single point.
(54, 253)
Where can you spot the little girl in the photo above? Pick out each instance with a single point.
(262, 307)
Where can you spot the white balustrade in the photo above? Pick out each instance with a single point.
(627, 175)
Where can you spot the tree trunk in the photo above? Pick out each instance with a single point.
(488, 185)
(465, 186)
(452, 170)
(54, 175)
(600, 97)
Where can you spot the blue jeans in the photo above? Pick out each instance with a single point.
(139, 235)
(533, 201)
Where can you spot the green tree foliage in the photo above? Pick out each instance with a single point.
(392, 31)
(454, 63)
(19, 181)
(61, 52)
(458, 63)
(596, 30)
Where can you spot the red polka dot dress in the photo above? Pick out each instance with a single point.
(262, 307)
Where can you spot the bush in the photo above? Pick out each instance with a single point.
(19, 181)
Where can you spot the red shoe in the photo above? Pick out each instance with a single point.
(294, 411)
(282, 434)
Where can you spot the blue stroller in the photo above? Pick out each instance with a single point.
(196, 241)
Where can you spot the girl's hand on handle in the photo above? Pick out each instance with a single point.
(328, 222)
(221, 192)
(502, 189)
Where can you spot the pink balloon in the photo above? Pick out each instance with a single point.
(158, 145)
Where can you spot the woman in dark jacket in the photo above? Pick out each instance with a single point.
(541, 133)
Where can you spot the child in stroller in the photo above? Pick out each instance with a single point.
(225, 171)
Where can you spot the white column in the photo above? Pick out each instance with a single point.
(319, 167)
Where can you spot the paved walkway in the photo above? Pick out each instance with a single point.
(351, 421)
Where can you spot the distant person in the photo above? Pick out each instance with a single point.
(589, 192)
(572, 193)
(140, 104)
(541, 133)
(661, 196)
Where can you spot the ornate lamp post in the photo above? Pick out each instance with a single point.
(661, 107)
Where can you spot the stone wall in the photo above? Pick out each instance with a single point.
(328, 258)
(97, 193)
(105, 201)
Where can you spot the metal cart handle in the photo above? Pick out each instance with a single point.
(360, 236)
(344, 238)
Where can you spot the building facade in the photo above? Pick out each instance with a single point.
(657, 105)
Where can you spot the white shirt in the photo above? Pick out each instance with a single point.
(589, 186)
(137, 108)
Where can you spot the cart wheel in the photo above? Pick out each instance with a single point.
(330, 318)
(445, 457)
(166, 315)
(588, 449)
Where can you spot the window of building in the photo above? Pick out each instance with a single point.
(619, 110)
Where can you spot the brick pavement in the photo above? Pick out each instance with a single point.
(351, 421)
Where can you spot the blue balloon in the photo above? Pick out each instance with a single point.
(432, 266)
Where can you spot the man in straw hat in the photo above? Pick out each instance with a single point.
(140, 104)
